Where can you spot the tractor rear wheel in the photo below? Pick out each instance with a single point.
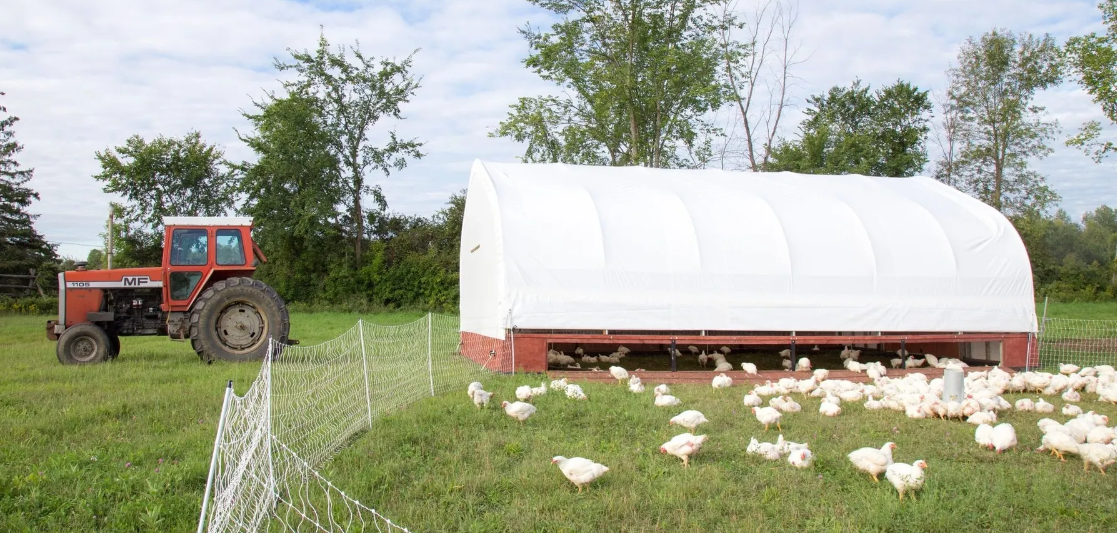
(234, 318)
(84, 344)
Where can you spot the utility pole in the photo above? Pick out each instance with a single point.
(109, 251)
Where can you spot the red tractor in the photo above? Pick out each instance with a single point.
(204, 291)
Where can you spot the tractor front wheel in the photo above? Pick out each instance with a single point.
(233, 319)
(84, 344)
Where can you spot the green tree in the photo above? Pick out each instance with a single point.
(95, 260)
(289, 193)
(415, 260)
(1000, 127)
(21, 246)
(1091, 58)
(638, 77)
(850, 130)
(353, 97)
(1071, 261)
(164, 177)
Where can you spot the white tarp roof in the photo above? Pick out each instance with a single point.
(630, 248)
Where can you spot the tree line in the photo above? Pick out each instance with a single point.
(658, 83)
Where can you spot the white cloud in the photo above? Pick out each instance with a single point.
(84, 76)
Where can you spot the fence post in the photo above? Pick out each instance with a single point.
(430, 370)
(214, 456)
(365, 371)
(268, 442)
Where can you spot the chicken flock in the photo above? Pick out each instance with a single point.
(1086, 434)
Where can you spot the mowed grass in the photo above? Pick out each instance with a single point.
(1078, 310)
(443, 465)
(125, 446)
(81, 447)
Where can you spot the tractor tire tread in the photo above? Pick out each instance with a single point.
(209, 348)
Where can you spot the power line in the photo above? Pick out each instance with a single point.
(77, 244)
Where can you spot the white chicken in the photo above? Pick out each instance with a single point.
(1101, 435)
(1058, 444)
(558, 384)
(723, 366)
(575, 392)
(540, 391)
(767, 416)
(801, 458)
(590, 359)
(665, 400)
(1071, 396)
(768, 450)
(725, 350)
(1068, 370)
(786, 353)
(471, 388)
(623, 350)
(721, 381)
(693, 349)
(787, 364)
(907, 478)
(1025, 404)
(896, 362)
(524, 393)
(750, 369)
(820, 374)
(1071, 410)
(619, 373)
(829, 409)
(873, 461)
(983, 435)
(481, 398)
(660, 389)
(982, 417)
(689, 419)
(1003, 437)
(751, 400)
(702, 360)
(1099, 455)
(684, 446)
(519, 410)
(803, 365)
(1042, 406)
(578, 470)
(579, 351)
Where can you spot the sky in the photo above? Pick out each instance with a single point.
(84, 76)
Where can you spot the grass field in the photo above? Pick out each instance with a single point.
(1080, 311)
(445, 466)
(81, 447)
(125, 447)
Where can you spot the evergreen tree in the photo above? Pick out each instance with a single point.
(21, 246)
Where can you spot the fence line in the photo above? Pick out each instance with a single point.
(309, 402)
(1074, 341)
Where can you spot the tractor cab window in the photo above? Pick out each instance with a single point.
(188, 247)
(229, 251)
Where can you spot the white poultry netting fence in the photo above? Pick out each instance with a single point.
(308, 403)
(1079, 342)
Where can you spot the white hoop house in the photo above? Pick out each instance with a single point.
(564, 247)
